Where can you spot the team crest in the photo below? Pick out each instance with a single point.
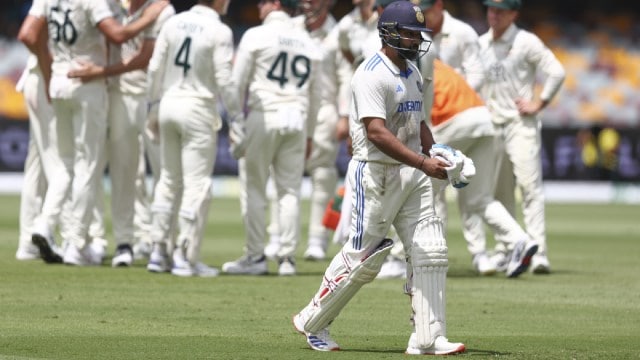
(419, 15)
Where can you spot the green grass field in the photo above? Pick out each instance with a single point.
(589, 308)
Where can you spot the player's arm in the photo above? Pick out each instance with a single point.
(89, 71)
(118, 34)
(34, 34)
(543, 60)
(344, 75)
(384, 140)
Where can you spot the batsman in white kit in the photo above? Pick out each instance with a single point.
(391, 183)
(190, 68)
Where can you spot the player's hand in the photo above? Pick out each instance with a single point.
(237, 138)
(155, 9)
(528, 108)
(342, 128)
(86, 72)
(435, 167)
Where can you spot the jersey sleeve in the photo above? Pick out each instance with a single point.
(543, 59)
(98, 11)
(222, 58)
(369, 95)
(38, 8)
(152, 31)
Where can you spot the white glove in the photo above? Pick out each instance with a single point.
(454, 162)
(237, 138)
(467, 172)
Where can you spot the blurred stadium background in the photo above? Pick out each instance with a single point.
(591, 131)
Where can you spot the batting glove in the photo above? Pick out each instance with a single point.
(454, 162)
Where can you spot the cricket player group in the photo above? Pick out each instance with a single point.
(420, 98)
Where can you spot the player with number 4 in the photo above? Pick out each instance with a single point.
(190, 68)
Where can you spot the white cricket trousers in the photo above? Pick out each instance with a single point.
(42, 155)
(321, 166)
(269, 146)
(127, 116)
(188, 145)
(519, 164)
(81, 128)
(384, 195)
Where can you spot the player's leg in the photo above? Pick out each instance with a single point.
(200, 140)
(34, 180)
(31, 196)
(271, 249)
(124, 153)
(253, 171)
(524, 149)
(422, 234)
(360, 259)
(90, 127)
(168, 187)
(321, 166)
(57, 158)
(287, 177)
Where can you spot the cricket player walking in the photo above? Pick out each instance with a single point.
(390, 176)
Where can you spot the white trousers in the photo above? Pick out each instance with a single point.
(81, 129)
(127, 115)
(384, 195)
(520, 165)
(42, 155)
(188, 146)
(271, 150)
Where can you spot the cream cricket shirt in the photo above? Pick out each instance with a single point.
(457, 46)
(511, 63)
(353, 32)
(192, 58)
(73, 35)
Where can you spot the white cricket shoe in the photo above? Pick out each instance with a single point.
(393, 268)
(86, 256)
(27, 252)
(272, 248)
(315, 252)
(201, 270)
(286, 267)
(159, 262)
(540, 264)
(246, 265)
(182, 267)
(521, 256)
(441, 346)
(320, 341)
(123, 256)
(499, 260)
(141, 250)
(483, 264)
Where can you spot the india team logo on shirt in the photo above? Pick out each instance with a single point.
(410, 105)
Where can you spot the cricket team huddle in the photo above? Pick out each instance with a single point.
(422, 100)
